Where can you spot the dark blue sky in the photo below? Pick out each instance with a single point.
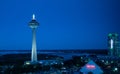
(64, 24)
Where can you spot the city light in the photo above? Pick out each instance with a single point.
(90, 66)
(27, 63)
(115, 69)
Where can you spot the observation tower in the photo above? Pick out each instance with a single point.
(33, 24)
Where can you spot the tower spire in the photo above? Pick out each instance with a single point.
(33, 17)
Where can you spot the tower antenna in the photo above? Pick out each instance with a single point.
(33, 17)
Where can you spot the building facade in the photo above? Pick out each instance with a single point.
(113, 44)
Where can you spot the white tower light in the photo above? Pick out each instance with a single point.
(33, 17)
(111, 43)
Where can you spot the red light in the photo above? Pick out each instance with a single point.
(90, 66)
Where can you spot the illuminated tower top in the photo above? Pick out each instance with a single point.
(33, 17)
(113, 36)
(33, 23)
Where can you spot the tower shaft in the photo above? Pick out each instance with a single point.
(34, 48)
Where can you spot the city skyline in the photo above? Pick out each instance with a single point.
(64, 24)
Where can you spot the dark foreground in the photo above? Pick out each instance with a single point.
(15, 63)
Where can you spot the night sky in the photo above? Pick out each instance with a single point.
(64, 24)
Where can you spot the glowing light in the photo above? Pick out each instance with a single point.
(116, 69)
(40, 62)
(102, 60)
(27, 63)
(110, 34)
(90, 66)
(111, 44)
(33, 17)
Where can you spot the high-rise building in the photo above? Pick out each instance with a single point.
(113, 44)
(33, 24)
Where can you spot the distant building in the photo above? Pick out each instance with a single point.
(92, 68)
(119, 49)
(113, 44)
